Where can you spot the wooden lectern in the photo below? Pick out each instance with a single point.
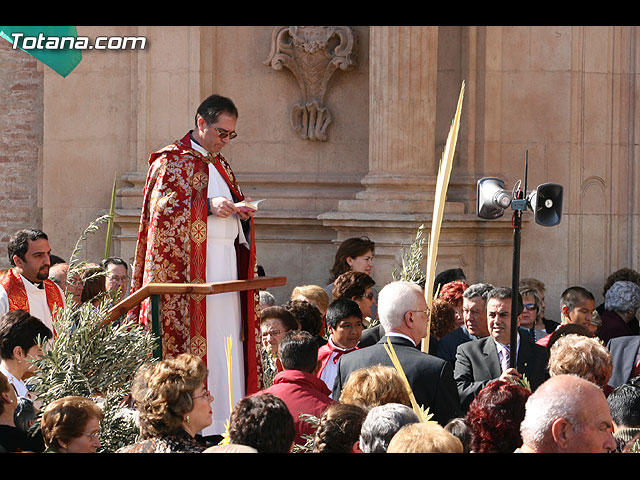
(154, 290)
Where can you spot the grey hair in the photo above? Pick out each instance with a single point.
(477, 290)
(623, 296)
(396, 299)
(382, 423)
(266, 298)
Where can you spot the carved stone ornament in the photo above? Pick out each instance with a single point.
(312, 54)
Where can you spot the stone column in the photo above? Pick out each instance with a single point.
(399, 187)
(402, 118)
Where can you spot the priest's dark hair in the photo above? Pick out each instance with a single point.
(215, 105)
(298, 350)
(19, 242)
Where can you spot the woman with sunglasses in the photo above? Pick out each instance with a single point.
(532, 318)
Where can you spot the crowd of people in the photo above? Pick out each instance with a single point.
(329, 381)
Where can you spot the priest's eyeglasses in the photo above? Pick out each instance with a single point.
(222, 133)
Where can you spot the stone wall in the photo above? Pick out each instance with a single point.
(564, 95)
(21, 130)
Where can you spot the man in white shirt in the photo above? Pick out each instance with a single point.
(26, 285)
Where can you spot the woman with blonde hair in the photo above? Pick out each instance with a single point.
(582, 356)
(373, 386)
(173, 404)
(314, 294)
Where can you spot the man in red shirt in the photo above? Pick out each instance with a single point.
(297, 385)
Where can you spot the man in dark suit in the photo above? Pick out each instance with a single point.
(403, 313)
(625, 356)
(487, 359)
(474, 314)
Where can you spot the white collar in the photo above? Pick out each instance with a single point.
(31, 286)
(398, 334)
(501, 346)
(197, 147)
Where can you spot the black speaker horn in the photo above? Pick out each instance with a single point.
(492, 198)
(546, 204)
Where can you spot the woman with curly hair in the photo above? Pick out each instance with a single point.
(452, 293)
(339, 429)
(373, 386)
(494, 417)
(173, 404)
(583, 356)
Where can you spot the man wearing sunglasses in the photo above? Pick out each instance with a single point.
(192, 232)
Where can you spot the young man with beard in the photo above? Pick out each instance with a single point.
(26, 285)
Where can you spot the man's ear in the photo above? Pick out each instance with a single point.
(17, 261)
(561, 431)
(565, 311)
(408, 319)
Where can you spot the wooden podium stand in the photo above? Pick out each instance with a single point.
(154, 290)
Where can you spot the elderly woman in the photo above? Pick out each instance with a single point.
(19, 334)
(173, 404)
(274, 323)
(583, 356)
(12, 438)
(621, 302)
(71, 425)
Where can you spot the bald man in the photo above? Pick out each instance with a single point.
(567, 414)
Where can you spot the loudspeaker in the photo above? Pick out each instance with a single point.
(491, 198)
(546, 203)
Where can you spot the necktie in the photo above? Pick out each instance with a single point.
(505, 358)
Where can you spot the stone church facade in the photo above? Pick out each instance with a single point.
(342, 129)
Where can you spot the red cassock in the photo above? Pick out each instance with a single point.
(172, 248)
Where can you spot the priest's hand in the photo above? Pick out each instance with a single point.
(245, 215)
(222, 207)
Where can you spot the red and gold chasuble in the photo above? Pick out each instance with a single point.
(172, 248)
(17, 293)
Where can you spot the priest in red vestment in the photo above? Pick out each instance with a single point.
(192, 232)
(26, 285)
